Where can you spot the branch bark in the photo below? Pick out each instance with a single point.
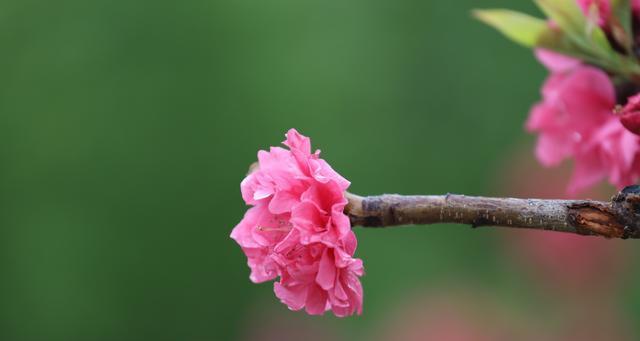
(618, 218)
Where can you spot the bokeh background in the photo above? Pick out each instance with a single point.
(126, 127)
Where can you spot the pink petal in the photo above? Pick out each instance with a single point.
(282, 202)
(588, 170)
(242, 233)
(555, 62)
(294, 297)
(316, 303)
(327, 271)
(551, 150)
(588, 96)
(339, 220)
(263, 268)
(298, 141)
(339, 291)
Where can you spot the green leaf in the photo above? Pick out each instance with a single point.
(564, 13)
(519, 27)
(572, 33)
(557, 41)
(620, 23)
(570, 19)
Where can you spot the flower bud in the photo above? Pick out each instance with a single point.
(630, 114)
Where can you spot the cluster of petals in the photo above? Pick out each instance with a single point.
(575, 119)
(296, 229)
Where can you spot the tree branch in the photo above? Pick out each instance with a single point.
(618, 218)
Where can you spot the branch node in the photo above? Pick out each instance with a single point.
(595, 219)
(626, 205)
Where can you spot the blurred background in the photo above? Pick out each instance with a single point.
(127, 126)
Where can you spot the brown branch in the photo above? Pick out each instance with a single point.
(618, 218)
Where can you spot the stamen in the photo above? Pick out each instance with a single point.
(273, 229)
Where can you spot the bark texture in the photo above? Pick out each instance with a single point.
(618, 218)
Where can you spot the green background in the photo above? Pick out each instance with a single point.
(126, 127)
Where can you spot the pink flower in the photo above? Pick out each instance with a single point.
(613, 153)
(297, 230)
(575, 120)
(576, 101)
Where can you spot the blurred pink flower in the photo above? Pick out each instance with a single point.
(574, 266)
(579, 277)
(604, 8)
(577, 99)
(611, 152)
(457, 311)
(297, 230)
(575, 120)
(569, 263)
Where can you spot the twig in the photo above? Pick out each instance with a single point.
(618, 218)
